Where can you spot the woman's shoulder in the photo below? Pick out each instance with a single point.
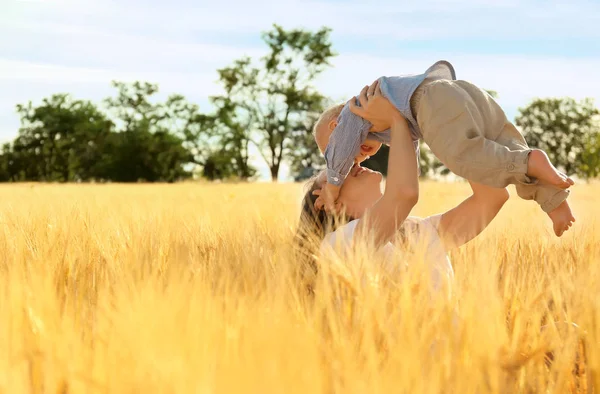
(412, 223)
(432, 222)
(341, 236)
(416, 228)
(422, 228)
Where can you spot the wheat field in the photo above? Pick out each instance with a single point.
(194, 288)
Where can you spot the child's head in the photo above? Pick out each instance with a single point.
(325, 125)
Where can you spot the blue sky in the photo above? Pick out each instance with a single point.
(520, 48)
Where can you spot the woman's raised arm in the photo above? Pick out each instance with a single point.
(467, 220)
(402, 184)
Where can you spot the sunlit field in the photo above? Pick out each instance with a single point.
(195, 288)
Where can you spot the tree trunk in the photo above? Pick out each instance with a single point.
(274, 172)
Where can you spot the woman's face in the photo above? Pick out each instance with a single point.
(361, 189)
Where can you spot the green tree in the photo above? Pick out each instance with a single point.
(150, 144)
(303, 152)
(562, 127)
(144, 156)
(275, 97)
(492, 93)
(6, 163)
(589, 165)
(212, 140)
(220, 165)
(199, 133)
(132, 108)
(234, 136)
(59, 140)
(218, 142)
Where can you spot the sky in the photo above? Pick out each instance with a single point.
(522, 49)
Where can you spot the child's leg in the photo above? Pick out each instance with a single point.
(470, 134)
(461, 133)
(549, 197)
(462, 124)
(552, 199)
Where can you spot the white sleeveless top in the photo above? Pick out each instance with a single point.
(423, 242)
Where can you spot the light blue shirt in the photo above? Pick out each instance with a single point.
(352, 130)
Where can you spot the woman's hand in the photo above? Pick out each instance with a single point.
(375, 108)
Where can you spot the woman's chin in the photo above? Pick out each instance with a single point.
(378, 176)
(377, 179)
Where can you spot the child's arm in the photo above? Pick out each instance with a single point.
(330, 195)
(342, 149)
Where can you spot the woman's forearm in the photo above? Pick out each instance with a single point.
(402, 175)
(484, 191)
(401, 189)
(464, 222)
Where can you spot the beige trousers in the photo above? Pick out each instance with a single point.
(470, 134)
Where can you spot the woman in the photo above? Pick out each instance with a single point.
(369, 214)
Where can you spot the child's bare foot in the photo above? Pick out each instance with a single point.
(539, 167)
(562, 218)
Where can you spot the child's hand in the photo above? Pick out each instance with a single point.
(327, 197)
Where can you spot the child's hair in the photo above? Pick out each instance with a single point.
(327, 116)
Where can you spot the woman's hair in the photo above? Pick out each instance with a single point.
(314, 223)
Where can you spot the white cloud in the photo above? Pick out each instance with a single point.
(385, 19)
(75, 45)
(26, 73)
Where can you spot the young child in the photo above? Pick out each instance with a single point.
(462, 125)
